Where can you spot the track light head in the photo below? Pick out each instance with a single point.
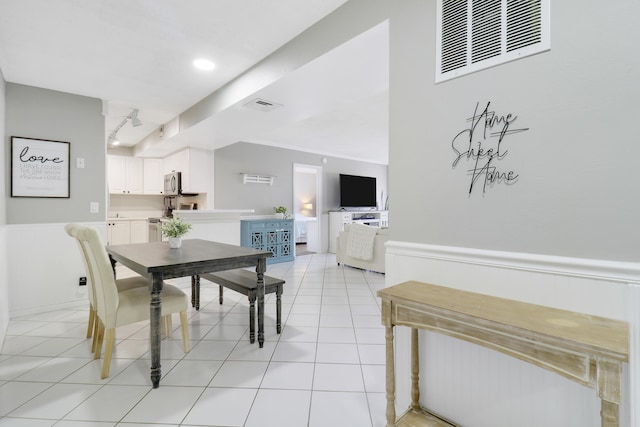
(135, 121)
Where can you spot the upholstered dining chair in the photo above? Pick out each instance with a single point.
(121, 284)
(115, 307)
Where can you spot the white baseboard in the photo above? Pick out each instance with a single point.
(78, 304)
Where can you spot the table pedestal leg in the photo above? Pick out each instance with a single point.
(196, 285)
(260, 269)
(154, 320)
(252, 317)
(193, 291)
(279, 309)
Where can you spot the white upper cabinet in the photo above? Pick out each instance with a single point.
(134, 175)
(125, 174)
(194, 165)
(153, 176)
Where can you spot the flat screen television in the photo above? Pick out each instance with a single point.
(357, 191)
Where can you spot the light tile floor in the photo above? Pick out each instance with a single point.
(326, 368)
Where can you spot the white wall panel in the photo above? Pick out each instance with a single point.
(44, 265)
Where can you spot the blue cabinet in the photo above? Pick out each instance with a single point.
(274, 235)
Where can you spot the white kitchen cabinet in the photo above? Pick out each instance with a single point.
(125, 174)
(125, 231)
(194, 165)
(153, 176)
(118, 232)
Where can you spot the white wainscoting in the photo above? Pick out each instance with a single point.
(477, 387)
(43, 267)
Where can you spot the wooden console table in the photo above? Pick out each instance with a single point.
(587, 349)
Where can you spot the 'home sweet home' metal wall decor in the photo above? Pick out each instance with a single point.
(482, 145)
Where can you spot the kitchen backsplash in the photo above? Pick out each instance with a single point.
(144, 206)
(132, 206)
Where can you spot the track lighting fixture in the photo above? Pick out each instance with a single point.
(135, 122)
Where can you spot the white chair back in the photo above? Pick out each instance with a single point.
(101, 272)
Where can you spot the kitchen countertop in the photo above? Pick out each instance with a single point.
(127, 218)
(209, 215)
(198, 214)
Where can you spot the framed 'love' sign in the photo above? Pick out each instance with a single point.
(39, 168)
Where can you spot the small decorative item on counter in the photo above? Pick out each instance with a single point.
(174, 229)
(281, 212)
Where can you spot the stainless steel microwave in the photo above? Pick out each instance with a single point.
(173, 184)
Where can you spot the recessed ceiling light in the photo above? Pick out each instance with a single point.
(204, 64)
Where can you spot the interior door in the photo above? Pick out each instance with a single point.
(307, 204)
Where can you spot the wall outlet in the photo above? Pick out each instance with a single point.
(82, 281)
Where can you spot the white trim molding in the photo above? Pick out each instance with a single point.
(613, 271)
(634, 353)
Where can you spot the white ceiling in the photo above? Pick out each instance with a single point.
(137, 54)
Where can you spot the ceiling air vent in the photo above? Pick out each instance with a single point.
(261, 105)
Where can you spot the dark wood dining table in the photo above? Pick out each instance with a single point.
(158, 262)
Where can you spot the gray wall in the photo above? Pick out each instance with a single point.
(232, 160)
(4, 278)
(576, 194)
(45, 114)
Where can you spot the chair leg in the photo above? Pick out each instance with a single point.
(163, 326)
(99, 338)
(108, 352)
(169, 326)
(185, 331)
(92, 319)
(96, 330)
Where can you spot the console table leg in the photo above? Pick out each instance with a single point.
(415, 371)
(391, 380)
(609, 414)
(608, 384)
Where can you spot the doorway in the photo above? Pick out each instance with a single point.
(307, 207)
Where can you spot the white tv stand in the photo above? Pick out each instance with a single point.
(338, 219)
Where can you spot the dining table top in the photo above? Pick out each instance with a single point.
(198, 255)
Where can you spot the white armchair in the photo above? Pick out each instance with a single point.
(376, 263)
